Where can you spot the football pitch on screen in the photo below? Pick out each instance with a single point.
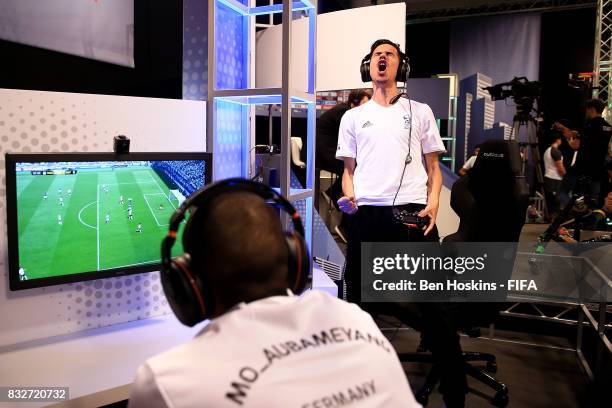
(92, 230)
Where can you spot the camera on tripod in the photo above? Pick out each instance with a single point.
(523, 91)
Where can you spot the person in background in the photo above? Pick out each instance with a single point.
(608, 204)
(591, 146)
(469, 163)
(553, 174)
(328, 126)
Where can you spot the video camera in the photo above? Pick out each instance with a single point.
(523, 91)
(519, 88)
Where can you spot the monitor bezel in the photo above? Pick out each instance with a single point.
(11, 159)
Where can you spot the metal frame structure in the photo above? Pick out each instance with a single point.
(593, 316)
(602, 63)
(249, 96)
(436, 13)
(589, 316)
(451, 138)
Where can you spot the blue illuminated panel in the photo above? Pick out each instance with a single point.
(229, 48)
(228, 141)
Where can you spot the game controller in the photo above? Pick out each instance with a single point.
(410, 219)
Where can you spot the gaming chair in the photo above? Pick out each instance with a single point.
(492, 193)
(491, 201)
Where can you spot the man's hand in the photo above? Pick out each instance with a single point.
(608, 203)
(431, 211)
(567, 132)
(348, 205)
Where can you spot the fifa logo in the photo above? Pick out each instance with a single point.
(407, 121)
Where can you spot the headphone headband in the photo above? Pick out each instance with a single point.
(185, 294)
(208, 193)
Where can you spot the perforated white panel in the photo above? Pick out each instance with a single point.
(33, 121)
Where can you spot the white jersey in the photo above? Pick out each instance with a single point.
(377, 137)
(469, 163)
(281, 351)
(550, 168)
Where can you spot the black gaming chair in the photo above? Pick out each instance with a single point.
(493, 190)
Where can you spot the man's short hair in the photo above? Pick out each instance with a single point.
(356, 96)
(596, 104)
(237, 244)
(382, 41)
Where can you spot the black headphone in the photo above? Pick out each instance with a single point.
(403, 70)
(183, 292)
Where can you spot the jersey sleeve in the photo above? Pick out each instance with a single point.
(347, 143)
(430, 135)
(469, 163)
(144, 392)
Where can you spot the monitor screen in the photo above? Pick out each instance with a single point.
(74, 217)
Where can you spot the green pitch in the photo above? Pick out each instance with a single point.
(83, 240)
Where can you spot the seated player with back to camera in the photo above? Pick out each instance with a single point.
(264, 346)
(390, 191)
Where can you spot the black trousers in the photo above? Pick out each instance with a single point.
(551, 189)
(434, 320)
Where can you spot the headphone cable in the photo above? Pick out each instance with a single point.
(408, 156)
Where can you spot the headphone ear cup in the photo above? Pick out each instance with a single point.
(365, 70)
(298, 262)
(403, 70)
(400, 76)
(181, 291)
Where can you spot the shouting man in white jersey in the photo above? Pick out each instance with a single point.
(264, 346)
(390, 147)
(382, 143)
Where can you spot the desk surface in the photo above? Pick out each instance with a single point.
(99, 365)
(92, 361)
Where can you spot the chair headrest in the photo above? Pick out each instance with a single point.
(498, 157)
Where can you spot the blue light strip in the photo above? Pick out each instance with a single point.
(308, 223)
(245, 114)
(308, 3)
(262, 100)
(278, 8)
(312, 25)
(245, 142)
(252, 100)
(262, 10)
(236, 6)
(310, 145)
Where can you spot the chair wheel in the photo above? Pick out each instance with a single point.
(422, 398)
(492, 367)
(500, 399)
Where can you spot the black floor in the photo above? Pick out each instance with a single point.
(537, 377)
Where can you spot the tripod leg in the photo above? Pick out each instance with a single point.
(535, 151)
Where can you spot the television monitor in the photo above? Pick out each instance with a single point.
(75, 217)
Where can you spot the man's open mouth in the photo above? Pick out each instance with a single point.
(382, 66)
